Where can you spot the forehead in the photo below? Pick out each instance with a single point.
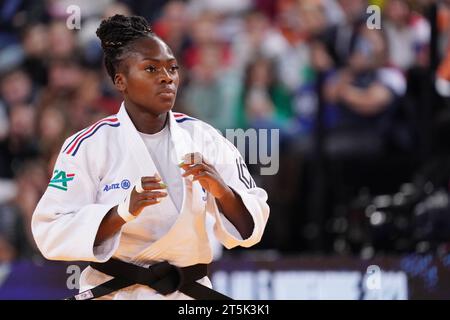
(153, 48)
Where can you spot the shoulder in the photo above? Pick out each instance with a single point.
(393, 79)
(420, 27)
(193, 124)
(94, 134)
(205, 133)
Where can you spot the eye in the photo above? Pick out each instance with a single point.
(174, 68)
(151, 69)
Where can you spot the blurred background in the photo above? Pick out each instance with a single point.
(360, 205)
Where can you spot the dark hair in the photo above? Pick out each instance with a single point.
(116, 34)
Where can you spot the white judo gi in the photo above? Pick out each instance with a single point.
(93, 173)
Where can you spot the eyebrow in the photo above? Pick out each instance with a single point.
(159, 60)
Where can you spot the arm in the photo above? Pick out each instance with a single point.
(110, 224)
(238, 206)
(66, 219)
(113, 222)
(67, 223)
(368, 101)
(233, 208)
(229, 203)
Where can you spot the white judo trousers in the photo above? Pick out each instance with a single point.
(93, 173)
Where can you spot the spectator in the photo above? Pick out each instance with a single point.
(15, 216)
(36, 49)
(264, 101)
(16, 87)
(366, 94)
(172, 27)
(61, 40)
(53, 128)
(21, 143)
(408, 35)
(340, 39)
(211, 86)
(257, 38)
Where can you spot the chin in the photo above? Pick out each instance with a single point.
(163, 108)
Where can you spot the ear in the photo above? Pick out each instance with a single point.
(120, 82)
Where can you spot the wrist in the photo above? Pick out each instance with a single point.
(226, 195)
(123, 211)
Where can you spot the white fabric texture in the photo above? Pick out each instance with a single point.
(161, 150)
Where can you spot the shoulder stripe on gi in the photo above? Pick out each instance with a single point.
(79, 133)
(74, 145)
(181, 117)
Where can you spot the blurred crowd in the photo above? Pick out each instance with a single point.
(361, 108)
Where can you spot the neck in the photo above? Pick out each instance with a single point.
(145, 121)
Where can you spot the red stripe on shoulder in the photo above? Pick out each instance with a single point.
(113, 120)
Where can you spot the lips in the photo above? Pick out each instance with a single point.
(167, 92)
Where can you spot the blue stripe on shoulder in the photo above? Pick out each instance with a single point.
(92, 133)
(76, 136)
(184, 119)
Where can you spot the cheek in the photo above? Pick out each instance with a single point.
(140, 85)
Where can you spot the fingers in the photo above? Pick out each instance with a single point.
(141, 204)
(144, 199)
(201, 175)
(150, 183)
(195, 169)
(155, 178)
(194, 163)
(153, 186)
(149, 198)
(147, 202)
(193, 158)
(146, 195)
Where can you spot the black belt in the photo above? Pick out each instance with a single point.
(163, 277)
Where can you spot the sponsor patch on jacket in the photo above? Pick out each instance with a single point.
(124, 184)
(60, 180)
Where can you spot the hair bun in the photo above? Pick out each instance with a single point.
(111, 44)
(116, 33)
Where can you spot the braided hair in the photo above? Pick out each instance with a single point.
(116, 34)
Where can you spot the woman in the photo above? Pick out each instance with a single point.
(120, 197)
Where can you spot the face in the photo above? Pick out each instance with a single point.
(16, 87)
(260, 73)
(397, 11)
(369, 52)
(353, 9)
(148, 76)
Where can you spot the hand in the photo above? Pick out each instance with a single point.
(194, 164)
(138, 201)
(345, 80)
(131, 207)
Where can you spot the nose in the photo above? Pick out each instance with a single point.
(165, 76)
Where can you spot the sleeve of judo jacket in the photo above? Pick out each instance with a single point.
(66, 219)
(235, 174)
